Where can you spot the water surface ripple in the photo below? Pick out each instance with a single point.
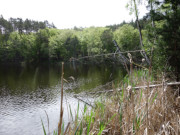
(27, 92)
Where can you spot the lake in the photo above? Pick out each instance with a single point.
(26, 92)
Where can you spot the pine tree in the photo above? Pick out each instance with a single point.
(171, 34)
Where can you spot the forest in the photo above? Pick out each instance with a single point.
(158, 33)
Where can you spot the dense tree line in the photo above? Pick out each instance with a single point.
(53, 44)
(158, 33)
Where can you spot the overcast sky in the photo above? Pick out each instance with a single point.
(69, 13)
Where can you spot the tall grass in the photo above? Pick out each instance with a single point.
(152, 111)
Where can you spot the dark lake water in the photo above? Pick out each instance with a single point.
(26, 92)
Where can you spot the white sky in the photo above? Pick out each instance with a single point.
(69, 13)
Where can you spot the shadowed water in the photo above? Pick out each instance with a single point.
(26, 92)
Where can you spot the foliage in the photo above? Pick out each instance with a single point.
(157, 33)
(127, 38)
(170, 33)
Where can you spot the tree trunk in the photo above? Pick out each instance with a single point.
(140, 33)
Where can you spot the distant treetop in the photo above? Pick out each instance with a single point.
(22, 26)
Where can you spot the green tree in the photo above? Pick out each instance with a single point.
(127, 38)
(64, 45)
(92, 36)
(171, 33)
(14, 47)
(27, 26)
(107, 41)
(42, 45)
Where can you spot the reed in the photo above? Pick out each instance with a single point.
(61, 108)
(149, 110)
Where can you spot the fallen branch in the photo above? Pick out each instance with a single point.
(75, 96)
(107, 54)
(138, 87)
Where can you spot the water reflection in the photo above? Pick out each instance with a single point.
(26, 92)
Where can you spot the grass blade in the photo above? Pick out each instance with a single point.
(43, 127)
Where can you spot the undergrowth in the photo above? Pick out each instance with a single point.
(129, 110)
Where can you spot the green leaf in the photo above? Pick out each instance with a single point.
(89, 123)
(103, 126)
(154, 98)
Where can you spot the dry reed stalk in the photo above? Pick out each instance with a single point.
(148, 106)
(147, 103)
(178, 119)
(127, 121)
(178, 124)
(164, 97)
(155, 110)
(61, 111)
(125, 110)
(131, 90)
(67, 127)
(128, 111)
